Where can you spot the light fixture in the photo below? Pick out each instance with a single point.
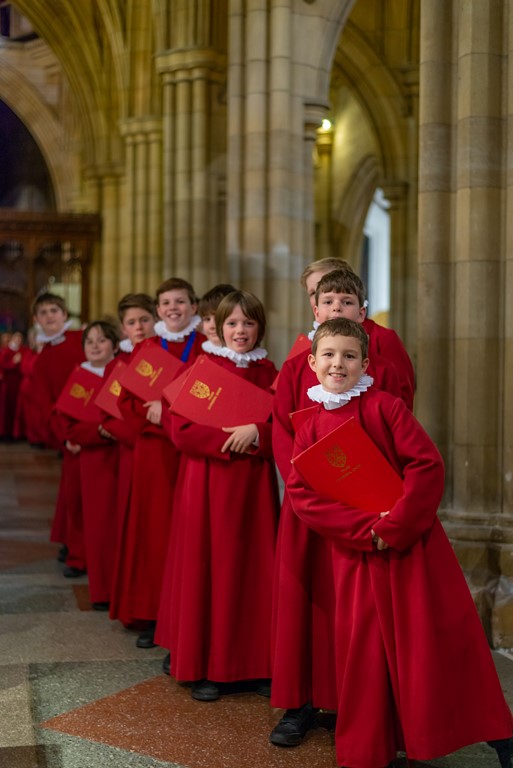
(326, 124)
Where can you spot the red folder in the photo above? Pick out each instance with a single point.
(215, 397)
(298, 418)
(347, 466)
(301, 344)
(170, 391)
(107, 397)
(77, 398)
(149, 371)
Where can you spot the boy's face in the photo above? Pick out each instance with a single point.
(51, 318)
(175, 309)
(240, 332)
(98, 349)
(137, 325)
(311, 286)
(209, 329)
(338, 363)
(332, 305)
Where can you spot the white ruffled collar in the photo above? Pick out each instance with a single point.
(92, 369)
(331, 400)
(162, 331)
(126, 345)
(57, 338)
(241, 359)
(13, 347)
(311, 334)
(209, 347)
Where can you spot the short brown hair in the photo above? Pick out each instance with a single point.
(49, 298)
(341, 326)
(136, 301)
(108, 329)
(341, 281)
(209, 302)
(177, 284)
(325, 265)
(251, 306)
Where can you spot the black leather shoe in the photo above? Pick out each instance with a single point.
(293, 726)
(205, 690)
(146, 639)
(504, 749)
(166, 665)
(62, 554)
(100, 606)
(70, 572)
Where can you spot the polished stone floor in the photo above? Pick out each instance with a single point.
(75, 692)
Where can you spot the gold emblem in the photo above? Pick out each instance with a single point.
(203, 392)
(81, 393)
(115, 388)
(336, 457)
(148, 371)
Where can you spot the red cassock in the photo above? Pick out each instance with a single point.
(385, 342)
(303, 606)
(216, 603)
(99, 465)
(414, 670)
(68, 524)
(144, 539)
(25, 422)
(51, 370)
(11, 376)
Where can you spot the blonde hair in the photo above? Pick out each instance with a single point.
(323, 265)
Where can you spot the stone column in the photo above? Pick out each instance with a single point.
(461, 271)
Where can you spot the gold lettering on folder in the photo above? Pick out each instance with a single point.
(81, 393)
(144, 368)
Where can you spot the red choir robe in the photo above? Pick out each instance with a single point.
(51, 370)
(10, 382)
(385, 342)
(303, 605)
(215, 610)
(68, 525)
(25, 422)
(144, 540)
(99, 466)
(414, 670)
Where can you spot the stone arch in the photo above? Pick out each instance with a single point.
(25, 102)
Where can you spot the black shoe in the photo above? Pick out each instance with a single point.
(205, 690)
(166, 665)
(70, 572)
(263, 688)
(100, 606)
(62, 554)
(504, 749)
(293, 726)
(146, 639)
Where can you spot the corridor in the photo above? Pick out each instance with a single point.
(75, 692)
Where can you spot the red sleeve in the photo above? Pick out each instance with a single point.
(121, 429)
(282, 431)
(387, 343)
(423, 478)
(197, 441)
(84, 433)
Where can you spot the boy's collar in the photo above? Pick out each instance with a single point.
(331, 400)
(56, 338)
(162, 330)
(241, 359)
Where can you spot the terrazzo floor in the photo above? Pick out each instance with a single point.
(75, 692)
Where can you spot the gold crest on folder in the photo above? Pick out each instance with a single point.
(144, 368)
(336, 457)
(81, 393)
(203, 392)
(115, 388)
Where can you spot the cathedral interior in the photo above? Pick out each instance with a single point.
(238, 141)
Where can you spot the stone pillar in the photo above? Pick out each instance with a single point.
(323, 197)
(460, 288)
(192, 81)
(142, 241)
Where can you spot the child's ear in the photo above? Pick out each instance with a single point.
(311, 362)
(365, 364)
(316, 312)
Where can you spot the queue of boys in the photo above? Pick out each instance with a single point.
(315, 602)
